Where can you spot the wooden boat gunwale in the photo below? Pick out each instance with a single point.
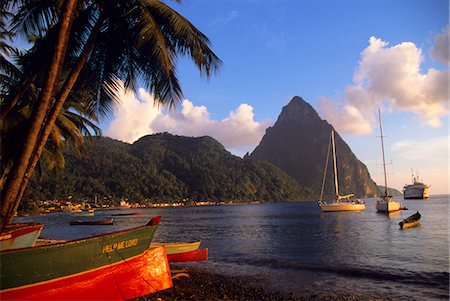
(79, 240)
(19, 235)
(195, 255)
(178, 247)
(129, 278)
(73, 257)
(11, 230)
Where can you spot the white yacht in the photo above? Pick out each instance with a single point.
(341, 203)
(386, 203)
(416, 190)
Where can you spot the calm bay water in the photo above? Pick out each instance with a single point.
(295, 247)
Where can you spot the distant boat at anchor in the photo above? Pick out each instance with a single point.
(416, 190)
(108, 221)
(386, 203)
(412, 221)
(341, 203)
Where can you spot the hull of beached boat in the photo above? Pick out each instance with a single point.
(178, 247)
(136, 276)
(16, 236)
(56, 263)
(196, 255)
(341, 206)
(387, 206)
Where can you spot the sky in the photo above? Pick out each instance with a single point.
(346, 58)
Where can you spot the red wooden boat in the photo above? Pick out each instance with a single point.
(137, 276)
(16, 236)
(196, 255)
(114, 266)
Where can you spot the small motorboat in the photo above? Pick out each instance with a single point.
(108, 221)
(411, 221)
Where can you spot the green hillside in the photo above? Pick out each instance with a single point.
(165, 168)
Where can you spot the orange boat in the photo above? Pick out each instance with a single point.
(196, 255)
(114, 266)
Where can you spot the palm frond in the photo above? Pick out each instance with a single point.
(185, 37)
(34, 18)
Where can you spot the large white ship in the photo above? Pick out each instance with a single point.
(416, 190)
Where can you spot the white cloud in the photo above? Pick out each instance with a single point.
(389, 76)
(440, 49)
(133, 116)
(423, 150)
(349, 119)
(429, 157)
(137, 116)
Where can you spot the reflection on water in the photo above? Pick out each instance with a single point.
(394, 214)
(295, 246)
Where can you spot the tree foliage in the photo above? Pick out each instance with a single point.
(84, 50)
(166, 168)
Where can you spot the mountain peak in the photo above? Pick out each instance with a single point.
(298, 144)
(298, 110)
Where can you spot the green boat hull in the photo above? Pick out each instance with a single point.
(21, 267)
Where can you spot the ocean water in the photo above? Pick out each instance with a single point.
(294, 247)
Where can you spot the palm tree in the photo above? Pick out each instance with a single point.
(98, 43)
(74, 122)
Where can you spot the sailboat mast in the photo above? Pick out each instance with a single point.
(335, 167)
(326, 168)
(382, 152)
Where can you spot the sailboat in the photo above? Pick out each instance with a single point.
(386, 203)
(341, 203)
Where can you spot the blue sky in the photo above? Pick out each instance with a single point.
(346, 58)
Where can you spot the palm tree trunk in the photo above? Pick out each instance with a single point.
(56, 109)
(14, 181)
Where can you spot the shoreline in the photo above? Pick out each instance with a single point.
(193, 283)
(195, 204)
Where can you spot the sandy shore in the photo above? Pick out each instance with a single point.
(196, 284)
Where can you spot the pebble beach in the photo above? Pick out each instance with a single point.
(197, 284)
